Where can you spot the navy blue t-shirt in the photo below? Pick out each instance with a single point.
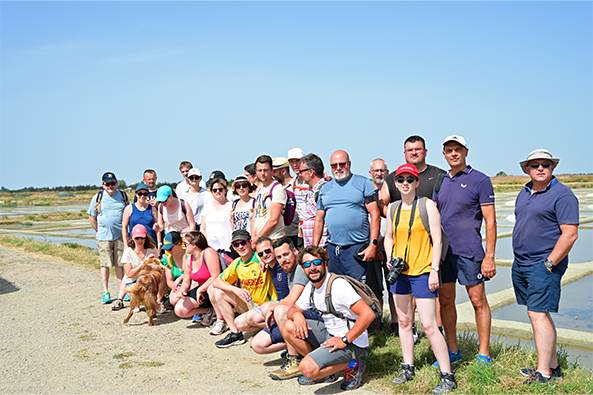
(280, 280)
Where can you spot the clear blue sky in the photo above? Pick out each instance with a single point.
(89, 87)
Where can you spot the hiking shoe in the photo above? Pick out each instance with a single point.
(289, 370)
(232, 339)
(284, 354)
(415, 333)
(196, 318)
(483, 359)
(106, 298)
(302, 380)
(555, 374)
(407, 374)
(219, 328)
(126, 298)
(118, 305)
(353, 378)
(394, 328)
(446, 384)
(209, 317)
(454, 358)
(536, 378)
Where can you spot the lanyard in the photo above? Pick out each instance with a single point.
(399, 209)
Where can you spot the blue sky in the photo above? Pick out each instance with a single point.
(89, 87)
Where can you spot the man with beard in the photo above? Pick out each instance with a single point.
(270, 200)
(333, 344)
(344, 206)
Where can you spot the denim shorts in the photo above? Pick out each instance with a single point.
(467, 270)
(415, 285)
(537, 288)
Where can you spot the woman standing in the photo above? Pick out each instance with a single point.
(406, 238)
(216, 217)
(140, 212)
(242, 207)
(173, 213)
(196, 195)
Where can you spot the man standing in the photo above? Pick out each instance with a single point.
(546, 228)
(465, 197)
(105, 215)
(281, 173)
(334, 344)
(299, 188)
(344, 204)
(270, 200)
(182, 188)
(311, 170)
(149, 179)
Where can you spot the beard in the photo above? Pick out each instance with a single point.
(319, 279)
(343, 177)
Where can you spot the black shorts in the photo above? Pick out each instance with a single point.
(194, 295)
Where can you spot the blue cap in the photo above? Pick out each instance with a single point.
(108, 177)
(170, 240)
(141, 186)
(163, 193)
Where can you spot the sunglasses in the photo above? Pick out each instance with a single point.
(111, 183)
(217, 190)
(142, 193)
(264, 252)
(241, 185)
(302, 171)
(545, 165)
(239, 243)
(194, 178)
(316, 262)
(139, 238)
(409, 179)
(336, 165)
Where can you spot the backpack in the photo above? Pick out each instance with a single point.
(425, 223)
(361, 289)
(289, 207)
(100, 196)
(183, 209)
(439, 182)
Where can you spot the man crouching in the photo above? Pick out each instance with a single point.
(334, 344)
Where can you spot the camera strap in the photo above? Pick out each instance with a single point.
(412, 214)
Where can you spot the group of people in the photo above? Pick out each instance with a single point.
(262, 257)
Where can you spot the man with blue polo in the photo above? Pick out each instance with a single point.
(344, 205)
(546, 228)
(465, 198)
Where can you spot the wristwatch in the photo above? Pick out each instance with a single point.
(435, 268)
(345, 340)
(549, 264)
(374, 241)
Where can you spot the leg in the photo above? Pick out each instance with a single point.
(262, 344)
(449, 314)
(428, 319)
(105, 278)
(280, 318)
(300, 345)
(544, 332)
(224, 303)
(252, 321)
(405, 313)
(162, 287)
(477, 295)
(311, 370)
(392, 308)
(187, 307)
(119, 273)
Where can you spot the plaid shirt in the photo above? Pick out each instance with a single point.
(308, 220)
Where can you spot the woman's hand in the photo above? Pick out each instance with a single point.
(433, 280)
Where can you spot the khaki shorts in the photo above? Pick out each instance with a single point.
(110, 252)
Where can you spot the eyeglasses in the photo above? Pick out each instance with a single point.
(139, 238)
(194, 178)
(316, 262)
(111, 183)
(409, 179)
(379, 171)
(264, 252)
(142, 193)
(545, 165)
(239, 243)
(336, 165)
(217, 190)
(241, 185)
(301, 171)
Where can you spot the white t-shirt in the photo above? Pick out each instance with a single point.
(263, 209)
(218, 225)
(130, 256)
(343, 296)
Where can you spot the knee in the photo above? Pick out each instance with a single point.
(287, 329)
(405, 322)
(446, 299)
(479, 301)
(260, 343)
(241, 323)
(280, 314)
(309, 368)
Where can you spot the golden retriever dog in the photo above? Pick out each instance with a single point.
(144, 290)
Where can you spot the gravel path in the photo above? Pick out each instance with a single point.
(56, 337)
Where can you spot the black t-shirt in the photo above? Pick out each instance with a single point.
(427, 180)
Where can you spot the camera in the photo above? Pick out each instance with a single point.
(398, 265)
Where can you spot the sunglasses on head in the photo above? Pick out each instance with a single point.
(545, 165)
(241, 185)
(341, 164)
(142, 193)
(111, 183)
(264, 252)
(409, 179)
(316, 262)
(194, 178)
(217, 190)
(239, 243)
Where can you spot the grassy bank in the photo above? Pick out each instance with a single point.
(516, 183)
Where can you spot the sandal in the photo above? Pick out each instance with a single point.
(118, 305)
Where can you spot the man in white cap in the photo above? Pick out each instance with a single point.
(546, 227)
(299, 187)
(465, 198)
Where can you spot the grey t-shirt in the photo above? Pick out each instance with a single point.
(297, 276)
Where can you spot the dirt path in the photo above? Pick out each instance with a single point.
(56, 337)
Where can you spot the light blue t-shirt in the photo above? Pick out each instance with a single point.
(346, 215)
(110, 219)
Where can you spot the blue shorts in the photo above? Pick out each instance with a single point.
(537, 288)
(467, 270)
(341, 261)
(415, 285)
(276, 335)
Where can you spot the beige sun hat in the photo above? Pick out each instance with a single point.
(538, 154)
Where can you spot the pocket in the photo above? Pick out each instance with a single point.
(543, 265)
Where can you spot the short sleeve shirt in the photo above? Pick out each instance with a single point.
(257, 283)
(129, 256)
(109, 220)
(262, 208)
(428, 179)
(280, 280)
(297, 276)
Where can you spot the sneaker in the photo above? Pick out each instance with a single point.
(407, 374)
(209, 317)
(118, 305)
(302, 380)
(394, 328)
(416, 337)
(196, 318)
(454, 358)
(483, 359)
(219, 328)
(555, 374)
(161, 309)
(289, 370)
(232, 339)
(284, 354)
(536, 378)
(446, 384)
(127, 298)
(106, 298)
(353, 376)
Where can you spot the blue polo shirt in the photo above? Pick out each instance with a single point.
(280, 280)
(538, 217)
(460, 202)
(346, 214)
(109, 221)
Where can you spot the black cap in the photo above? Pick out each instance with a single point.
(108, 177)
(216, 174)
(240, 234)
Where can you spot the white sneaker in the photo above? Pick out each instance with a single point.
(219, 328)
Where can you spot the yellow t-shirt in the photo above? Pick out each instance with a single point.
(419, 256)
(259, 284)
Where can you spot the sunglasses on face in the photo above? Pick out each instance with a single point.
(139, 238)
(110, 183)
(409, 179)
(142, 193)
(264, 252)
(336, 165)
(545, 165)
(239, 243)
(242, 185)
(215, 190)
(302, 171)
(194, 178)
(316, 262)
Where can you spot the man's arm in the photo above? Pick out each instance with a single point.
(93, 221)
(226, 287)
(275, 213)
(301, 328)
(318, 226)
(189, 216)
(365, 317)
(488, 265)
(384, 199)
(373, 209)
(289, 300)
(570, 234)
